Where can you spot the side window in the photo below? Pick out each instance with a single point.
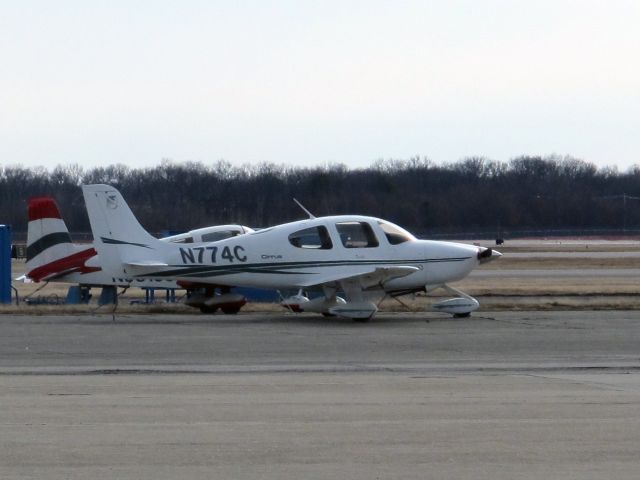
(395, 235)
(314, 237)
(356, 235)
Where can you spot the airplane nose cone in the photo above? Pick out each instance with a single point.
(487, 254)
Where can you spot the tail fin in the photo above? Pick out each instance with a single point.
(50, 252)
(117, 234)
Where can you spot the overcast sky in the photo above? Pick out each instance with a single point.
(310, 82)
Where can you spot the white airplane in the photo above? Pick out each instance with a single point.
(52, 256)
(366, 258)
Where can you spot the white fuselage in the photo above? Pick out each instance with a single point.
(289, 256)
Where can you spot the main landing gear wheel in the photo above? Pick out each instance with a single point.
(205, 309)
(230, 310)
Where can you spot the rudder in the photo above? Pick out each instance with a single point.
(50, 251)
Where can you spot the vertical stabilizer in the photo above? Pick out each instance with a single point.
(117, 234)
(50, 252)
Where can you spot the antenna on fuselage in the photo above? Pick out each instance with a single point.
(311, 215)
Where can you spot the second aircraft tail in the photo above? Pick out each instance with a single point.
(50, 251)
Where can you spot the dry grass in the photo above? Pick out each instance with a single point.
(528, 302)
(536, 286)
(419, 303)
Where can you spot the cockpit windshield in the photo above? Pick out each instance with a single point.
(395, 235)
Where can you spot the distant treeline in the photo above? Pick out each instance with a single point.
(474, 194)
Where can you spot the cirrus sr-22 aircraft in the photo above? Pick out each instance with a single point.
(355, 261)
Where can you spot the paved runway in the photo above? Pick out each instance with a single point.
(506, 341)
(500, 395)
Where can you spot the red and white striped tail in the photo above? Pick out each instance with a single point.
(50, 251)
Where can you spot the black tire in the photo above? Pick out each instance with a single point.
(230, 310)
(205, 309)
(327, 314)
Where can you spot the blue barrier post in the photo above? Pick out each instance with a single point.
(5, 264)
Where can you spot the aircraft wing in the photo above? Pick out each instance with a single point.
(367, 277)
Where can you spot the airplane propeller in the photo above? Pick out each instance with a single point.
(487, 255)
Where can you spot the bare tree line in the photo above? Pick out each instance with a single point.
(474, 194)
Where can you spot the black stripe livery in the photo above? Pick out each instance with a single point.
(45, 242)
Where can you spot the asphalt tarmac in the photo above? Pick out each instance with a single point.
(499, 395)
